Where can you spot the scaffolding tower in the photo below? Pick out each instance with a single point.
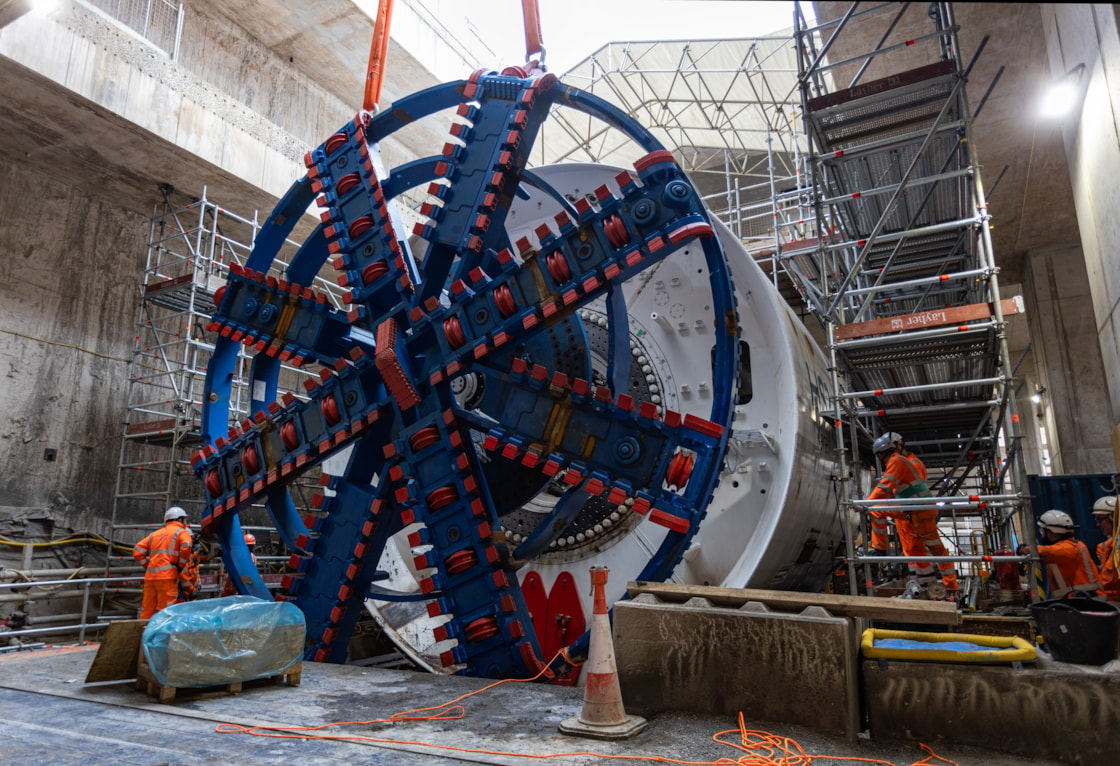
(190, 250)
(900, 271)
(841, 157)
(729, 110)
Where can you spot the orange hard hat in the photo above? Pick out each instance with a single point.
(249, 539)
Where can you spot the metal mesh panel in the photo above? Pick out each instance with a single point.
(156, 20)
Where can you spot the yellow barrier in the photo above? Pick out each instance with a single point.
(1003, 648)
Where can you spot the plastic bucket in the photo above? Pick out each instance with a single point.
(1078, 629)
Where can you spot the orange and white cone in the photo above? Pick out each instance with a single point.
(603, 716)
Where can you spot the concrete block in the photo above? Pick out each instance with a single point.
(771, 666)
(1070, 713)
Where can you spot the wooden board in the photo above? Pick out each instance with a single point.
(117, 653)
(875, 87)
(868, 607)
(923, 319)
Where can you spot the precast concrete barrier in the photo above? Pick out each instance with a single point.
(771, 666)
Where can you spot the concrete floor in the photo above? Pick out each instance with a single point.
(52, 717)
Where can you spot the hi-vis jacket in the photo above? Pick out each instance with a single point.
(1110, 577)
(903, 476)
(167, 554)
(1068, 567)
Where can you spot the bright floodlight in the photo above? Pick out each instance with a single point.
(1060, 97)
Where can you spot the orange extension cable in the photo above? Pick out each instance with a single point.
(759, 748)
(765, 749)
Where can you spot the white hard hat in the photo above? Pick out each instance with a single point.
(1058, 522)
(1104, 505)
(886, 441)
(174, 512)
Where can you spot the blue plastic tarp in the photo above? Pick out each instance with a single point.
(223, 640)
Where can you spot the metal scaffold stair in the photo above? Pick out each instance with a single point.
(191, 249)
(902, 275)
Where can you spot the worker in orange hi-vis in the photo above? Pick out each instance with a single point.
(1069, 567)
(904, 475)
(1104, 513)
(170, 568)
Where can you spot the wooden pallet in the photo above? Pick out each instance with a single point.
(147, 682)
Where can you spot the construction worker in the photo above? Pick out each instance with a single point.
(904, 475)
(1104, 513)
(170, 568)
(1069, 567)
(228, 588)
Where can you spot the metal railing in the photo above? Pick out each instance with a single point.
(82, 587)
(68, 584)
(158, 21)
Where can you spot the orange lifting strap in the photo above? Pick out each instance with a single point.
(378, 50)
(534, 46)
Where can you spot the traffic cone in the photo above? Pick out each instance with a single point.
(603, 716)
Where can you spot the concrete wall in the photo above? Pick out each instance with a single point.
(106, 64)
(68, 284)
(1067, 362)
(74, 259)
(94, 119)
(1086, 35)
(248, 93)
